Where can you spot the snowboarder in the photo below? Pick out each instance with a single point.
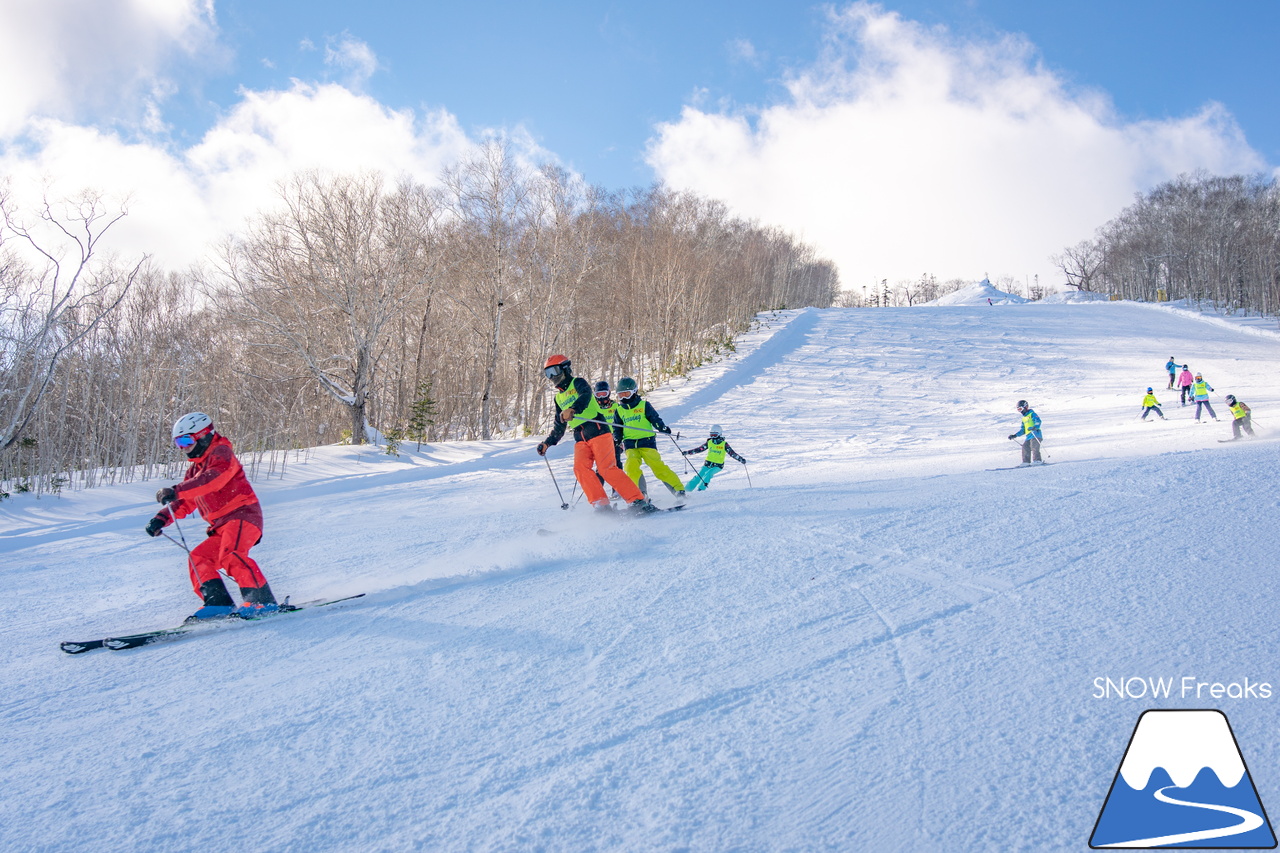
(1184, 382)
(638, 422)
(1150, 403)
(215, 485)
(1172, 369)
(716, 447)
(1200, 392)
(1242, 417)
(1031, 429)
(576, 409)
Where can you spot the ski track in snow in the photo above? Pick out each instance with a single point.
(881, 646)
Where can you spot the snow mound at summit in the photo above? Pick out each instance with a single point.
(977, 294)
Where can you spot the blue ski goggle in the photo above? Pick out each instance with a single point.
(184, 442)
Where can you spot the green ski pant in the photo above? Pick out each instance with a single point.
(652, 458)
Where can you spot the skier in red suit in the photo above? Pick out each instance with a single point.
(215, 485)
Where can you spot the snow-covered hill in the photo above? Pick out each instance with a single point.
(876, 644)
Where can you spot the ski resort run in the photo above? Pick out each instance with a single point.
(874, 643)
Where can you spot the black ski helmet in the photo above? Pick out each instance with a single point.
(602, 388)
(1231, 399)
(1022, 405)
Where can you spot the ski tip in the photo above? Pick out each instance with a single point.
(77, 648)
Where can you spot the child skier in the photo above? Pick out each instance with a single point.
(1184, 382)
(638, 423)
(1031, 429)
(216, 486)
(607, 409)
(1150, 403)
(716, 447)
(1172, 369)
(1242, 417)
(576, 409)
(1200, 392)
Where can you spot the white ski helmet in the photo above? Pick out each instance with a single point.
(717, 430)
(192, 423)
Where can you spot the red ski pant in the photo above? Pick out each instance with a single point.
(599, 451)
(228, 549)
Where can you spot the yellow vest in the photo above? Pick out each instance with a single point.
(634, 422)
(1150, 400)
(715, 451)
(567, 396)
(1239, 410)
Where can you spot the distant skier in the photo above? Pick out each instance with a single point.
(1200, 393)
(1185, 382)
(1151, 404)
(1031, 429)
(638, 423)
(215, 485)
(716, 448)
(576, 409)
(1242, 417)
(1172, 369)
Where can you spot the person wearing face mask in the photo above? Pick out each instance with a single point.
(215, 485)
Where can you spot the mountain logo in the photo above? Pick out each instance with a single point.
(1183, 783)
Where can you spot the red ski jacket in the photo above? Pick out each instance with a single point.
(216, 485)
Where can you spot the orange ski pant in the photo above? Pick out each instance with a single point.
(599, 451)
(228, 549)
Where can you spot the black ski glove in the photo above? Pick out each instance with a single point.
(542, 449)
(166, 495)
(154, 526)
(665, 428)
(743, 461)
(1012, 437)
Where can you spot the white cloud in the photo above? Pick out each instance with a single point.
(353, 58)
(906, 151)
(182, 202)
(94, 58)
(743, 50)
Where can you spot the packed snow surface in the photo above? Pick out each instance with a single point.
(876, 643)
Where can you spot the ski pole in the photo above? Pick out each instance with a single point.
(563, 503)
(611, 426)
(682, 456)
(748, 473)
(177, 527)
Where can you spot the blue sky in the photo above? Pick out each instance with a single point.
(875, 131)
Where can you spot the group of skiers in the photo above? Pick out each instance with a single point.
(1193, 387)
(1196, 390)
(215, 484)
(605, 430)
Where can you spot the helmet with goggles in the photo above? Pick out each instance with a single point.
(190, 428)
(557, 369)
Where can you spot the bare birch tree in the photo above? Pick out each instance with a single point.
(49, 305)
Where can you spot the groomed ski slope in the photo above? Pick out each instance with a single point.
(880, 646)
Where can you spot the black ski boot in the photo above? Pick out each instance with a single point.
(643, 507)
(258, 601)
(217, 601)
